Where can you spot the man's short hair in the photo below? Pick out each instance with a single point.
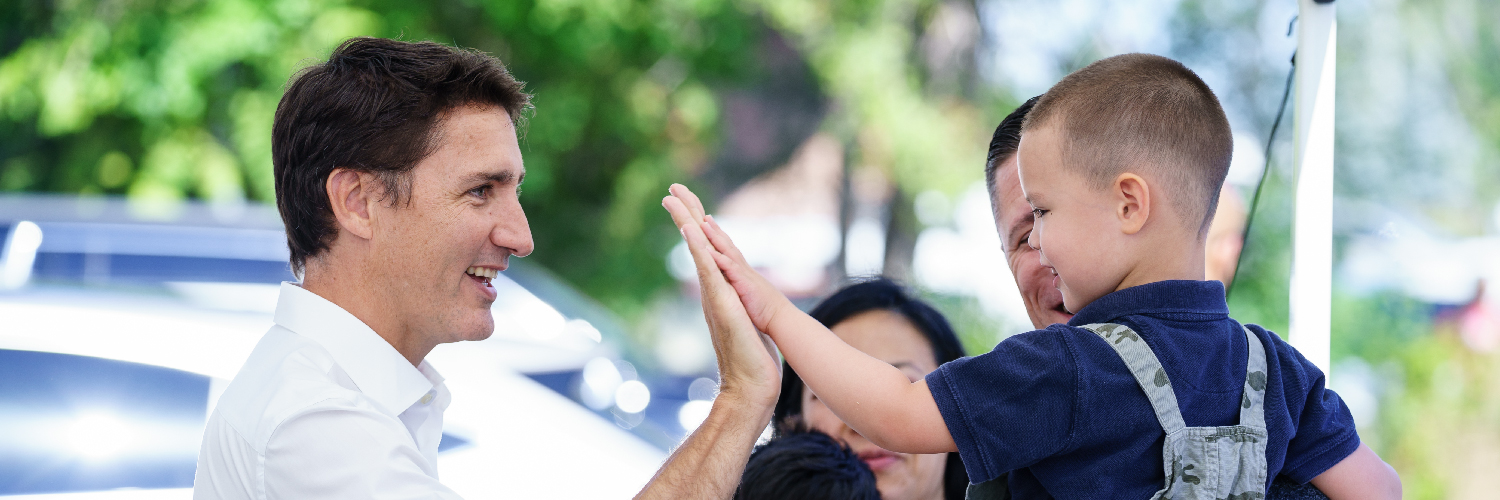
(806, 465)
(1142, 111)
(1006, 141)
(375, 106)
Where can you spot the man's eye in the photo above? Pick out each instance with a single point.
(1038, 212)
(480, 191)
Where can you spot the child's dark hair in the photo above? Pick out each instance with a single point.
(806, 465)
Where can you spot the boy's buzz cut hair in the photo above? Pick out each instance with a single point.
(1142, 111)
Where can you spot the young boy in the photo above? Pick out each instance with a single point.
(1151, 390)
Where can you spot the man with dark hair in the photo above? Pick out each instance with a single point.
(397, 173)
(1013, 221)
(806, 465)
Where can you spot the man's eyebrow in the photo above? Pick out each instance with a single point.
(501, 177)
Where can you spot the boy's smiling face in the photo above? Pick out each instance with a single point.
(1076, 230)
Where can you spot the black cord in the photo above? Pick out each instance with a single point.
(1255, 200)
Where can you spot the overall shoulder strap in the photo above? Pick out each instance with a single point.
(1147, 370)
(1252, 413)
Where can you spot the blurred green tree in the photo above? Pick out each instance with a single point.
(166, 100)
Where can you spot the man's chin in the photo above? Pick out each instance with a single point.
(1045, 316)
(476, 329)
(1058, 315)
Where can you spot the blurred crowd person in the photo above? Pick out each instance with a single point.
(806, 465)
(881, 318)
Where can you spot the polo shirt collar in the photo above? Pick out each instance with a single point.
(377, 369)
(1172, 296)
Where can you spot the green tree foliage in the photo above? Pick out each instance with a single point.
(166, 100)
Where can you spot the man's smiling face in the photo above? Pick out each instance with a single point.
(1014, 220)
(461, 223)
(1076, 231)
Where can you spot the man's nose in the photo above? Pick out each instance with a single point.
(512, 231)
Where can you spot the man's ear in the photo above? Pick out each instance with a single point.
(351, 196)
(1133, 202)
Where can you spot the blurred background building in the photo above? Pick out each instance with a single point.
(832, 139)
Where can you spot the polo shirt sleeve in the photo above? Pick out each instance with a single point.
(1010, 407)
(1325, 432)
(349, 452)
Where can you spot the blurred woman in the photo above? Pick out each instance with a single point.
(880, 318)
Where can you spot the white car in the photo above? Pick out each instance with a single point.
(105, 383)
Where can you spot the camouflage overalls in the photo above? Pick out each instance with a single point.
(1201, 462)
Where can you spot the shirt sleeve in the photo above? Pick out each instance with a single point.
(347, 453)
(1010, 407)
(1325, 432)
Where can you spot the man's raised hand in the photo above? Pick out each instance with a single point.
(747, 359)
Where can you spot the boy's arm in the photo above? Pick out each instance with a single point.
(871, 396)
(1360, 475)
(874, 398)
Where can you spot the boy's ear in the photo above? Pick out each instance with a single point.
(350, 197)
(1133, 202)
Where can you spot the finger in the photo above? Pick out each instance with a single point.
(694, 205)
(705, 258)
(680, 213)
(728, 266)
(720, 239)
(692, 234)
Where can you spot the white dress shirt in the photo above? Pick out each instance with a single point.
(324, 408)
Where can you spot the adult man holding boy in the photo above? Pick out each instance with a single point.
(1121, 163)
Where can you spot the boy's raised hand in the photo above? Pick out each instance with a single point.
(747, 358)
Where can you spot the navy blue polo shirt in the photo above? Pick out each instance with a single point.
(1059, 408)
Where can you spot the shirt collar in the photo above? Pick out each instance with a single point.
(1173, 296)
(377, 369)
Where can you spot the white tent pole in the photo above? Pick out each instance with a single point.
(1312, 226)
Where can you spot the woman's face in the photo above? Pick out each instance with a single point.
(889, 337)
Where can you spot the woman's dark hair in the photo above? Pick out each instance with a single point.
(806, 465)
(374, 107)
(879, 294)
